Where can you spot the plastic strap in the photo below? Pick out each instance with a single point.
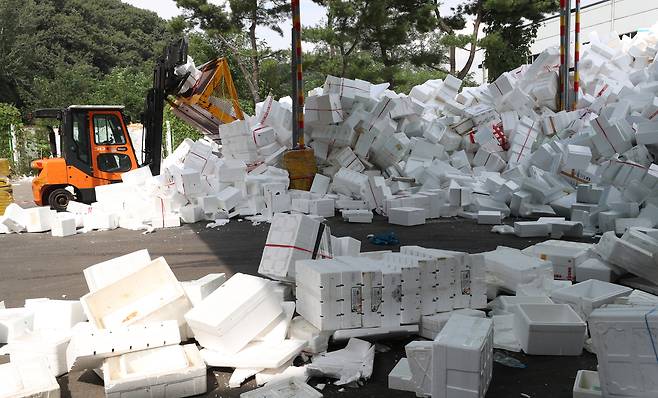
(646, 322)
(318, 240)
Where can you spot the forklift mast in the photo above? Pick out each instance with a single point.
(165, 83)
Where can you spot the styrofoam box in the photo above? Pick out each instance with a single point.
(509, 304)
(462, 358)
(489, 217)
(89, 347)
(290, 387)
(549, 329)
(593, 268)
(626, 357)
(49, 345)
(234, 314)
(55, 315)
(28, 379)
(172, 371)
(14, 322)
(431, 325)
(150, 294)
(586, 296)
(318, 295)
(291, 238)
(400, 377)
(407, 216)
(587, 385)
(108, 272)
(565, 256)
(37, 219)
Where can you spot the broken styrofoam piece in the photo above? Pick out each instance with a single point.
(55, 315)
(292, 387)
(108, 272)
(240, 375)
(540, 287)
(585, 297)
(587, 384)
(15, 322)
(149, 294)
(623, 338)
(349, 364)
(31, 378)
(285, 372)
(234, 314)
(627, 256)
(278, 329)
(638, 297)
(175, 370)
(316, 340)
(505, 334)
(373, 333)
(512, 267)
(89, 346)
(201, 288)
(257, 354)
(549, 329)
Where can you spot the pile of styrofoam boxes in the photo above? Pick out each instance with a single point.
(398, 289)
(483, 153)
(458, 362)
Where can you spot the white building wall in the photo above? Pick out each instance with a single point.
(621, 16)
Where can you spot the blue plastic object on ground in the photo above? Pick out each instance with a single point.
(385, 239)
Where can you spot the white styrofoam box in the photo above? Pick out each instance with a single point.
(290, 387)
(55, 315)
(624, 224)
(348, 204)
(511, 267)
(292, 237)
(89, 347)
(323, 110)
(462, 358)
(531, 229)
(37, 219)
(322, 207)
(137, 177)
(49, 345)
(170, 371)
(420, 358)
(320, 184)
(357, 216)
(150, 294)
(587, 384)
(31, 378)
(431, 325)
(319, 294)
(585, 297)
(345, 246)
(623, 338)
(63, 225)
(191, 214)
(565, 256)
(108, 272)
(14, 322)
(400, 377)
(188, 181)
(256, 355)
(234, 314)
(577, 157)
(167, 220)
(316, 340)
(374, 333)
(199, 289)
(489, 217)
(627, 256)
(549, 329)
(407, 216)
(503, 305)
(277, 331)
(594, 268)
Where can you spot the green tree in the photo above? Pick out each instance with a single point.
(228, 25)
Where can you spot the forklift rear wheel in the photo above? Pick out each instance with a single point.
(59, 199)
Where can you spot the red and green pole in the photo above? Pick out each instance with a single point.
(576, 59)
(297, 78)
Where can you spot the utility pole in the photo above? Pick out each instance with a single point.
(297, 79)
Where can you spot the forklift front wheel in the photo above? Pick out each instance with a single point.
(59, 199)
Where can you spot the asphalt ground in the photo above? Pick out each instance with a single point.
(38, 265)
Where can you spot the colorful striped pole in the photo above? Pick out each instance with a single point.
(567, 54)
(562, 48)
(297, 78)
(576, 59)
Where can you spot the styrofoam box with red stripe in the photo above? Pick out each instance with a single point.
(292, 237)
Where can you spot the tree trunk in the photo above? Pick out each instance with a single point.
(471, 56)
(453, 60)
(253, 88)
(255, 65)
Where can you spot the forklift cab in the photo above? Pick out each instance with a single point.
(95, 150)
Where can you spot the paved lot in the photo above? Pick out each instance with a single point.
(37, 265)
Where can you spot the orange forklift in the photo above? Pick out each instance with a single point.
(95, 147)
